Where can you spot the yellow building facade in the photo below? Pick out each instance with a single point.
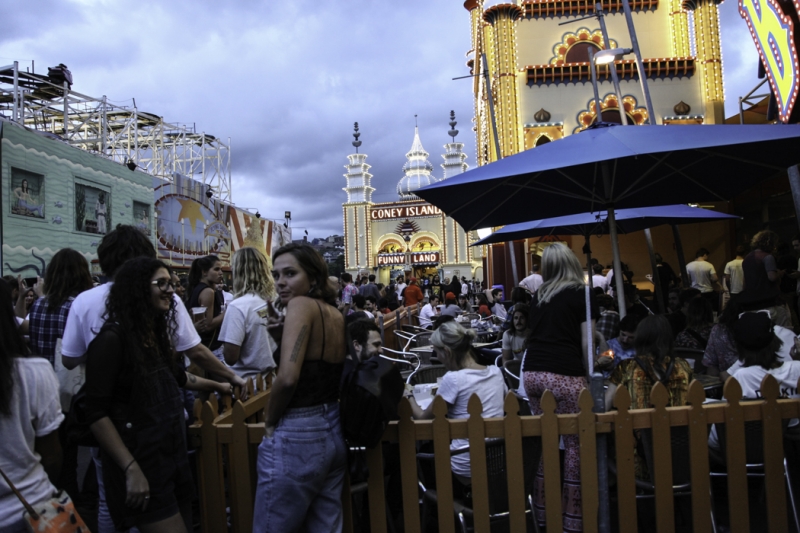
(408, 236)
(539, 77)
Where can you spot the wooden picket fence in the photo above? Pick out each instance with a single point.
(227, 449)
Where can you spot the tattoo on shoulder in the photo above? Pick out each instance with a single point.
(298, 343)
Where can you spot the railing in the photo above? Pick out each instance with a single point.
(228, 442)
(395, 321)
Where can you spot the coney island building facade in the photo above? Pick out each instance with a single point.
(409, 236)
(532, 59)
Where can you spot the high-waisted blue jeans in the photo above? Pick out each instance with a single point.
(301, 473)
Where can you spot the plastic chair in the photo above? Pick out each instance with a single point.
(497, 482)
(754, 456)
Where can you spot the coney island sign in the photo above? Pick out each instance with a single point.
(774, 26)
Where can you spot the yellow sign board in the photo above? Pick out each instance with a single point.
(773, 33)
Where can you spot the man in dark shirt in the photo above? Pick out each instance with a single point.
(370, 289)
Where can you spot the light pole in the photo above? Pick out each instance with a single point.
(598, 9)
(639, 64)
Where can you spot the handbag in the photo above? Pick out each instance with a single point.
(56, 515)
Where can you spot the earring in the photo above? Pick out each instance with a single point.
(311, 290)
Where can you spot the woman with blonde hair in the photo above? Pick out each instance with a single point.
(555, 361)
(465, 377)
(247, 346)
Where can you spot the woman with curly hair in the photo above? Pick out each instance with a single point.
(133, 404)
(247, 346)
(205, 274)
(302, 459)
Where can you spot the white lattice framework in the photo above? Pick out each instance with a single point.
(121, 133)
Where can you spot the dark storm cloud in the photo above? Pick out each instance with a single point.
(285, 80)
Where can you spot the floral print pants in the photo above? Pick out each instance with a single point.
(566, 389)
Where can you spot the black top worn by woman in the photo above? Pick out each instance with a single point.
(147, 411)
(319, 379)
(209, 338)
(555, 341)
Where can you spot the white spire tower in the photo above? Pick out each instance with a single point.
(417, 170)
(358, 178)
(454, 156)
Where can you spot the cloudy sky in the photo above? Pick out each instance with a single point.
(285, 80)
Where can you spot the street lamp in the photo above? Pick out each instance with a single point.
(604, 57)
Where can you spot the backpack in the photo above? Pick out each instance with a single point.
(368, 401)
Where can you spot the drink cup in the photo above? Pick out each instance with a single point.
(198, 314)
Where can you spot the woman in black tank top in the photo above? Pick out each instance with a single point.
(205, 274)
(302, 459)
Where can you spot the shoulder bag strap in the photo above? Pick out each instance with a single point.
(28, 507)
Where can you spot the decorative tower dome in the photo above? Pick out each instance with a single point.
(417, 170)
(358, 178)
(454, 156)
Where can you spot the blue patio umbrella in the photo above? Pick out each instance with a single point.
(618, 167)
(588, 224)
(627, 220)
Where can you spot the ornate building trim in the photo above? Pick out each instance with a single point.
(678, 67)
(580, 36)
(561, 8)
(637, 115)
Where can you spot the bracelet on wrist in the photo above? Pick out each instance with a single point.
(129, 465)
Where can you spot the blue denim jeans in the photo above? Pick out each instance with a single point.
(301, 473)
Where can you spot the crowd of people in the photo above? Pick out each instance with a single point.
(112, 356)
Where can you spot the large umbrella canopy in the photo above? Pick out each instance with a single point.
(587, 224)
(623, 166)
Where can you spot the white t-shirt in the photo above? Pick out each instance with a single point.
(532, 282)
(464, 288)
(700, 273)
(227, 297)
(35, 412)
(243, 327)
(400, 287)
(500, 310)
(734, 270)
(599, 280)
(515, 344)
(750, 379)
(427, 315)
(457, 388)
(86, 319)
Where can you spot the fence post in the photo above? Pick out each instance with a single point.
(588, 449)
(662, 463)
(408, 462)
(514, 459)
(698, 456)
(478, 466)
(552, 462)
(441, 449)
(736, 458)
(211, 483)
(239, 472)
(626, 478)
(604, 513)
(377, 497)
(380, 324)
(772, 433)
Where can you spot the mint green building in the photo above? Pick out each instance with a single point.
(58, 196)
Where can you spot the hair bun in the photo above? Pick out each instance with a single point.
(470, 334)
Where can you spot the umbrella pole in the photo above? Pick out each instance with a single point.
(656, 278)
(588, 252)
(612, 231)
(794, 183)
(681, 258)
